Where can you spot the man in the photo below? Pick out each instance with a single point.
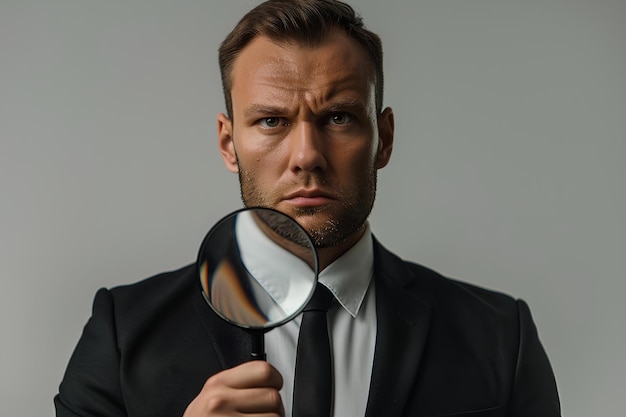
(306, 132)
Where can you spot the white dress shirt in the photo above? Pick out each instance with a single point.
(352, 320)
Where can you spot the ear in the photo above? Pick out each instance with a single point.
(225, 142)
(386, 126)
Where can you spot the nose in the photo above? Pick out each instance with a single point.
(306, 145)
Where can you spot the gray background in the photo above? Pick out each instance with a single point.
(508, 168)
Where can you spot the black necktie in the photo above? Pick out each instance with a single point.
(313, 384)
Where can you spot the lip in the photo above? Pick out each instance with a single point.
(308, 198)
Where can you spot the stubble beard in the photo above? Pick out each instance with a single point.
(346, 218)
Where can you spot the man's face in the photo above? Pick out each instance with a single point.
(304, 135)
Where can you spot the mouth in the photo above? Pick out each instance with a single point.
(308, 198)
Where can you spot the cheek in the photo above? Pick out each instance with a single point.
(254, 153)
(358, 159)
(261, 166)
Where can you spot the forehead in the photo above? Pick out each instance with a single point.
(336, 63)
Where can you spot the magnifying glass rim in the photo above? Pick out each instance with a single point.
(201, 259)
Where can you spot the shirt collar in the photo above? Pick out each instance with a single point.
(286, 278)
(348, 277)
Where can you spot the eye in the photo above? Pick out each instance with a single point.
(270, 122)
(340, 119)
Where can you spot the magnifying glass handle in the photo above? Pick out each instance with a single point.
(258, 346)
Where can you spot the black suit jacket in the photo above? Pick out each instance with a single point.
(443, 348)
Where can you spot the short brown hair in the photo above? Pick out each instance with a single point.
(304, 21)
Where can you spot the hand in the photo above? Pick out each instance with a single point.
(250, 388)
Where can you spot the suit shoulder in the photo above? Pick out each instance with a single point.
(160, 291)
(453, 290)
(438, 290)
(163, 281)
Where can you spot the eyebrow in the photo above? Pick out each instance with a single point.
(339, 105)
(347, 103)
(256, 109)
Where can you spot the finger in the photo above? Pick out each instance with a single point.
(255, 374)
(259, 400)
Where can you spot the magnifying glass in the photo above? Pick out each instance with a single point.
(258, 269)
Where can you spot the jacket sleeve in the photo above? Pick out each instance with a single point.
(91, 385)
(534, 387)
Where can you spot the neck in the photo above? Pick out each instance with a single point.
(327, 256)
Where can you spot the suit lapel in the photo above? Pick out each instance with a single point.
(402, 327)
(231, 344)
